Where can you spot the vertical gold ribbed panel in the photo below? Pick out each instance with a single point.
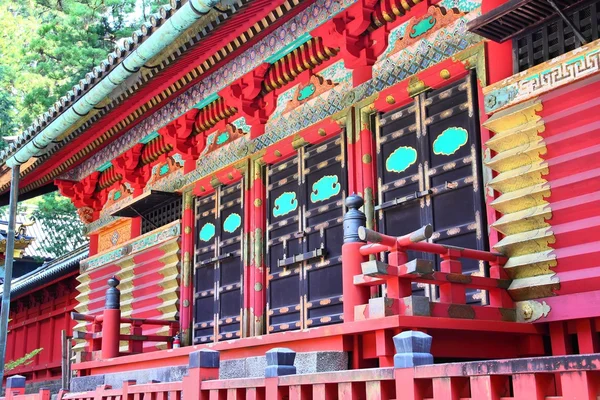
(82, 301)
(521, 169)
(169, 284)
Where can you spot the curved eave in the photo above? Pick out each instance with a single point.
(200, 42)
(48, 272)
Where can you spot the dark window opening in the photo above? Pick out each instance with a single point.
(556, 37)
(161, 215)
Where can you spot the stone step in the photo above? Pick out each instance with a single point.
(250, 367)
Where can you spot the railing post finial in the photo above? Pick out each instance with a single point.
(280, 362)
(412, 349)
(113, 295)
(354, 218)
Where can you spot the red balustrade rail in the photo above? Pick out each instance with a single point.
(399, 274)
(105, 334)
(575, 377)
(135, 339)
(15, 390)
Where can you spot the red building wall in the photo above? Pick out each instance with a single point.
(37, 319)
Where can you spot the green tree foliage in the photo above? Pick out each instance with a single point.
(19, 362)
(47, 46)
(59, 220)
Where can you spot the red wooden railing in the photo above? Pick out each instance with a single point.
(135, 339)
(398, 275)
(15, 390)
(574, 377)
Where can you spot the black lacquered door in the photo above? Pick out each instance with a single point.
(429, 172)
(304, 237)
(219, 267)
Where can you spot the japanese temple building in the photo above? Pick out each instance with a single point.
(333, 177)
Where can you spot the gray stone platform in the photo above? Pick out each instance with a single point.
(251, 367)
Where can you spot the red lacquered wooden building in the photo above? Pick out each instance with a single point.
(325, 176)
(40, 318)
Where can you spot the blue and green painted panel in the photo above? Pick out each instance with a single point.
(223, 137)
(400, 159)
(306, 92)
(450, 140)
(285, 204)
(117, 195)
(422, 27)
(207, 232)
(325, 188)
(164, 170)
(232, 222)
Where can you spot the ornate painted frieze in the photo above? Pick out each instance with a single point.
(139, 244)
(114, 235)
(560, 71)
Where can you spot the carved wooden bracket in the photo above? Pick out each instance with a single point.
(358, 46)
(83, 194)
(179, 135)
(245, 96)
(128, 166)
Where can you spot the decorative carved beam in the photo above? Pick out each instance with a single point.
(306, 57)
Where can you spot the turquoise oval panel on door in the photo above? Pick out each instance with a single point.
(325, 188)
(232, 222)
(285, 204)
(400, 159)
(207, 232)
(450, 140)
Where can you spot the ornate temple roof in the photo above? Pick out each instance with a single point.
(22, 240)
(170, 49)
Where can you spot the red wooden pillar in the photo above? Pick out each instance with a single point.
(578, 385)
(398, 288)
(486, 387)
(368, 170)
(353, 151)
(187, 269)
(352, 259)
(93, 244)
(531, 386)
(561, 345)
(136, 227)
(407, 385)
(255, 220)
(451, 293)
(111, 322)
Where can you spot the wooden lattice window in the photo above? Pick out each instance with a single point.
(162, 215)
(428, 158)
(556, 37)
(218, 301)
(304, 237)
